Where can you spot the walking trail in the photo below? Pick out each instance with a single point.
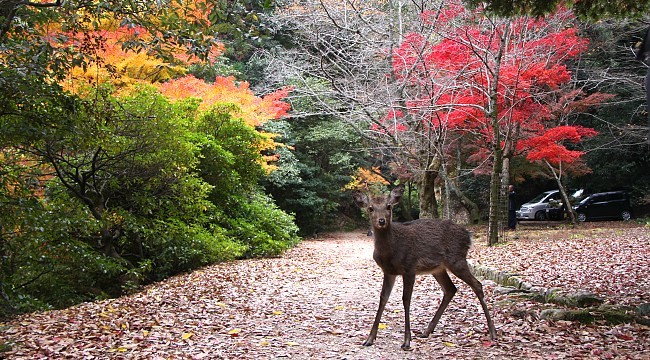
(317, 301)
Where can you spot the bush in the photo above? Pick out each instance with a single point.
(174, 247)
(262, 227)
(47, 264)
(142, 193)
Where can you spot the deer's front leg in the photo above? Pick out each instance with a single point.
(409, 281)
(386, 288)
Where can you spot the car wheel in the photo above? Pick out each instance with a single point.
(540, 215)
(625, 215)
(582, 217)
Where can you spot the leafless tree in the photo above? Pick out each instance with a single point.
(343, 63)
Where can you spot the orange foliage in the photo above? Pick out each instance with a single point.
(254, 110)
(124, 68)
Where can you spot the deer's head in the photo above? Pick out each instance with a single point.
(379, 208)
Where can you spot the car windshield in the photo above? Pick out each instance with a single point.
(539, 197)
(585, 200)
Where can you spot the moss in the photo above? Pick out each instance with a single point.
(583, 316)
(609, 314)
(615, 314)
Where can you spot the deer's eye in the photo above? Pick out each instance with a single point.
(389, 206)
(371, 209)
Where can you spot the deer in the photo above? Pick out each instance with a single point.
(423, 246)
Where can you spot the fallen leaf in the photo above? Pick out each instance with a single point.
(348, 281)
(187, 335)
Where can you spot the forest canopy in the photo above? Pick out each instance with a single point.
(585, 9)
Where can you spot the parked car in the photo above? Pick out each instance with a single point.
(606, 205)
(557, 208)
(556, 213)
(535, 209)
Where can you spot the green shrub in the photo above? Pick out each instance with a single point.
(47, 263)
(146, 189)
(262, 227)
(174, 247)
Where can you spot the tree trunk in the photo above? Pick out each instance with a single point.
(497, 166)
(495, 189)
(647, 98)
(503, 191)
(427, 193)
(565, 197)
(407, 204)
(468, 204)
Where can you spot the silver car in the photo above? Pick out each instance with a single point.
(536, 208)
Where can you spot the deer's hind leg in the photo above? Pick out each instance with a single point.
(462, 271)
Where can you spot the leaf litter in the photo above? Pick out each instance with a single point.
(319, 300)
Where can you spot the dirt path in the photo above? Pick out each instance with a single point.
(316, 302)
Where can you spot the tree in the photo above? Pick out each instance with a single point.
(550, 149)
(590, 9)
(423, 83)
(618, 156)
(138, 185)
(255, 111)
(492, 80)
(115, 156)
(342, 58)
(312, 171)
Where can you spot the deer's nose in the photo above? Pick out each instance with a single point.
(382, 221)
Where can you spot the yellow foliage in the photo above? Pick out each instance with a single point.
(366, 179)
(143, 67)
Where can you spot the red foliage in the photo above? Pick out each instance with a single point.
(450, 75)
(550, 145)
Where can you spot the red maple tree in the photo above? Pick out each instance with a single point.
(484, 81)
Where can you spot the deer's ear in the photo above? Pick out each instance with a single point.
(396, 194)
(361, 199)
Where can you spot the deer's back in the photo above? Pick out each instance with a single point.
(422, 245)
(437, 232)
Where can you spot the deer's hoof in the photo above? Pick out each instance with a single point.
(368, 343)
(424, 334)
(406, 347)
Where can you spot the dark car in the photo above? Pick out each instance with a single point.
(606, 205)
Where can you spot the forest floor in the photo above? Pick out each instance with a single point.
(319, 299)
